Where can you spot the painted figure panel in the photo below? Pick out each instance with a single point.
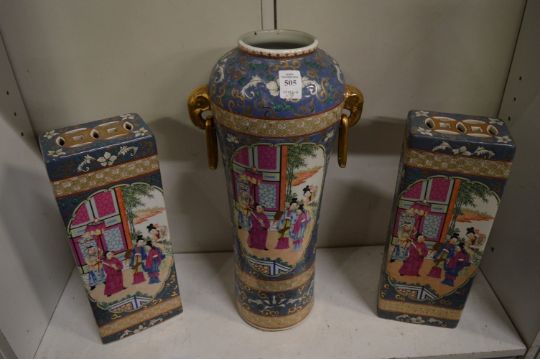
(439, 235)
(121, 242)
(276, 189)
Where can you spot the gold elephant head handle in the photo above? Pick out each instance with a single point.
(202, 117)
(353, 104)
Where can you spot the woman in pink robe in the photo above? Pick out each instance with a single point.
(259, 228)
(417, 252)
(299, 227)
(113, 269)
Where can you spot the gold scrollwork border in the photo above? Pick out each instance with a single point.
(419, 309)
(274, 323)
(275, 285)
(277, 128)
(140, 316)
(105, 176)
(457, 164)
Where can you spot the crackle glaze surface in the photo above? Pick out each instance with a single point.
(275, 153)
(110, 195)
(452, 175)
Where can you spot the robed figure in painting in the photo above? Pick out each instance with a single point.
(242, 210)
(113, 269)
(442, 253)
(94, 264)
(138, 256)
(286, 221)
(258, 231)
(153, 260)
(417, 252)
(299, 227)
(402, 243)
(157, 232)
(455, 264)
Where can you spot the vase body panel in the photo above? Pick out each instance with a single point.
(275, 153)
(451, 179)
(106, 179)
(275, 190)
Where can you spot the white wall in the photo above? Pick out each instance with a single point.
(511, 262)
(83, 60)
(35, 259)
(77, 61)
(437, 55)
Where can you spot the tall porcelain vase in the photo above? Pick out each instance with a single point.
(276, 103)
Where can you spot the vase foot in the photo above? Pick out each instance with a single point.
(274, 323)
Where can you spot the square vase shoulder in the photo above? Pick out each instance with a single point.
(451, 178)
(106, 179)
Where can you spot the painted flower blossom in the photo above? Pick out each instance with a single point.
(56, 153)
(127, 117)
(140, 132)
(461, 151)
(503, 139)
(495, 121)
(50, 134)
(232, 139)
(107, 159)
(124, 150)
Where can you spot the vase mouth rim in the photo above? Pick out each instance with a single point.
(278, 43)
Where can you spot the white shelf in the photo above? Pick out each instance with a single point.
(343, 322)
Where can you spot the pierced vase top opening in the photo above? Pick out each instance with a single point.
(278, 43)
(276, 75)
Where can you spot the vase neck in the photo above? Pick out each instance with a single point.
(277, 43)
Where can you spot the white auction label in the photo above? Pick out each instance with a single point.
(290, 84)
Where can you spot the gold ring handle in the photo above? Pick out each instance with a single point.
(354, 102)
(201, 116)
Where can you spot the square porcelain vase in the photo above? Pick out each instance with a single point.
(106, 179)
(451, 179)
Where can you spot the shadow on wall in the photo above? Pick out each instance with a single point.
(358, 199)
(16, 121)
(377, 136)
(359, 275)
(359, 216)
(12, 110)
(196, 197)
(32, 221)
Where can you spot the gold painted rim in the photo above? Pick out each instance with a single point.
(250, 43)
(274, 323)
